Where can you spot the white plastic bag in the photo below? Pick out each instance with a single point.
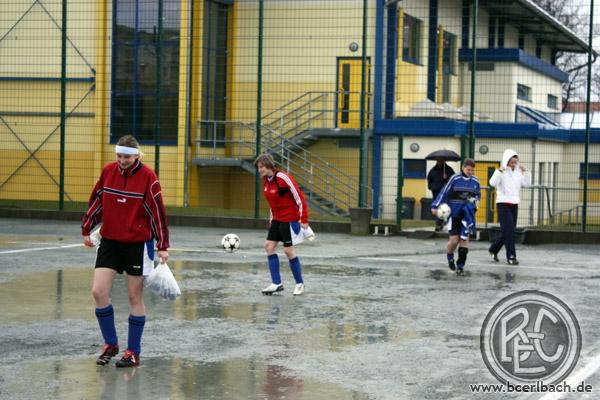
(95, 236)
(162, 282)
(299, 234)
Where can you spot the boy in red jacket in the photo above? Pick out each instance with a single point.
(127, 200)
(288, 208)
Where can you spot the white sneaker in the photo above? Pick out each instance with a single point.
(299, 289)
(272, 288)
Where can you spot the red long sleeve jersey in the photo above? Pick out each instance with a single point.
(285, 198)
(129, 203)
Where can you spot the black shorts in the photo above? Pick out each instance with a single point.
(280, 232)
(456, 225)
(136, 259)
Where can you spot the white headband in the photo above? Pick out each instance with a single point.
(126, 150)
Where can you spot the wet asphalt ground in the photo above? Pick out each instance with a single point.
(382, 318)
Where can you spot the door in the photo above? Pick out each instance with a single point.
(349, 74)
(484, 171)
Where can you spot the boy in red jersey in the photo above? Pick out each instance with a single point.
(288, 208)
(127, 200)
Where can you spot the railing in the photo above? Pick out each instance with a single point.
(314, 172)
(221, 139)
(547, 206)
(323, 181)
(235, 139)
(309, 111)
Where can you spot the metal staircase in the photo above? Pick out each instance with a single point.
(285, 134)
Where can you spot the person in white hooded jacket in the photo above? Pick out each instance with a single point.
(508, 180)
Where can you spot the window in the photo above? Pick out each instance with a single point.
(449, 53)
(492, 32)
(415, 169)
(521, 40)
(593, 170)
(214, 70)
(552, 102)
(501, 30)
(523, 92)
(411, 39)
(136, 45)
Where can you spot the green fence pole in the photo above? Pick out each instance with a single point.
(473, 75)
(63, 105)
(587, 122)
(261, 15)
(157, 105)
(400, 183)
(363, 173)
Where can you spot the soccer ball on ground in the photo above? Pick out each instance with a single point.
(230, 242)
(443, 211)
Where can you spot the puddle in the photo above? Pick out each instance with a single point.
(163, 378)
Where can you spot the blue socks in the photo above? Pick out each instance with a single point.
(274, 268)
(296, 270)
(106, 320)
(136, 328)
(450, 257)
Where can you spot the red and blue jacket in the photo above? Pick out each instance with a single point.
(129, 204)
(285, 198)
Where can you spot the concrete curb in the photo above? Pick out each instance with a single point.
(177, 220)
(531, 236)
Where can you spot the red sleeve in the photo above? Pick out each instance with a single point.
(93, 215)
(297, 195)
(158, 216)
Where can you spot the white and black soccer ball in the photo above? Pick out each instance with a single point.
(443, 211)
(230, 242)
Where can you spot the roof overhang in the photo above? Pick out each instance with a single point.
(534, 20)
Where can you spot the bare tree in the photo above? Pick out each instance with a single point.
(574, 18)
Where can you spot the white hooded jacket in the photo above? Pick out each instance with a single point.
(509, 182)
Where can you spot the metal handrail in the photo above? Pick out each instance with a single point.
(283, 119)
(242, 141)
(278, 109)
(341, 186)
(552, 214)
(307, 103)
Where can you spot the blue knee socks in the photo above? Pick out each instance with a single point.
(106, 320)
(136, 328)
(274, 268)
(296, 269)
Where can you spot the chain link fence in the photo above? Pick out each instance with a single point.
(349, 96)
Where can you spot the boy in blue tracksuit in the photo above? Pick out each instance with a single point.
(462, 193)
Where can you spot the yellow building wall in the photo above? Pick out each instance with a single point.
(87, 148)
(300, 53)
(594, 193)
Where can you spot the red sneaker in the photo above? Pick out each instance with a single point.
(130, 359)
(108, 352)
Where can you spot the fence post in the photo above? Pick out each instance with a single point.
(63, 105)
(400, 182)
(364, 146)
(259, 70)
(473, 77)
(587, 121)
(488, 205)
(214, 139)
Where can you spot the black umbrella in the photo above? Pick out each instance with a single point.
(444, 155)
